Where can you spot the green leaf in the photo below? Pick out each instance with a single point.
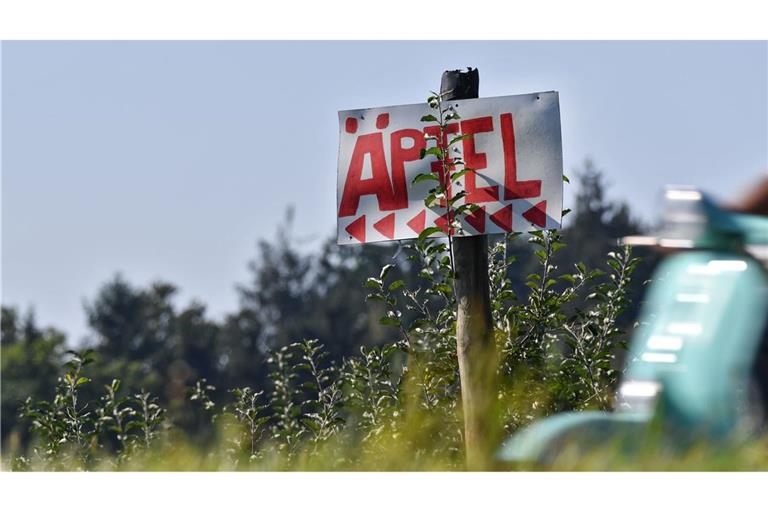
(82, 380)
(436, 151)
(459, 138)
(425, 176)
(425, 274)
(396, 285)
(464, 208)
(430, 200)
(373, 283)
(556, 246)
(428, 231)
(385, 270)
(455, 176)
(457, 196)
(565, 179)
(506, 295)
(429, 118)
(388, 320)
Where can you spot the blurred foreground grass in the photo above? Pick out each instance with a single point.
(398, 452)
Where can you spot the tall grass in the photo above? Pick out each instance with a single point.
(392, 407)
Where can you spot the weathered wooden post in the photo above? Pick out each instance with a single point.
(474, 329)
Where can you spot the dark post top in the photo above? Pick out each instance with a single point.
(460, 85)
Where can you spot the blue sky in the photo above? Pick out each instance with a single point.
(170, 159)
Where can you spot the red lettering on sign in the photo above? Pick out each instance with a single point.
(382, 121)
(400, 155)
(476, 161)
(355, 187)
(350, 125)
(514, 189)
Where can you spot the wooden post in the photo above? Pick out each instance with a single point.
(474, 328)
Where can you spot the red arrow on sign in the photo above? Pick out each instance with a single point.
(537, 215)
(503, 218)
(386, 226)
(356, 228)
(419, 222)
(476, 219)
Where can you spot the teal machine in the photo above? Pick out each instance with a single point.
(697, 364)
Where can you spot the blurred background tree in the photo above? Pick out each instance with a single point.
(31, 360)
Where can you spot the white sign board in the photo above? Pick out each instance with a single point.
(514, 146)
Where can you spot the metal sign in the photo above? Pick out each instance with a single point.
(513, 145)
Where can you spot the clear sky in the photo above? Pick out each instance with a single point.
(169, 160)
